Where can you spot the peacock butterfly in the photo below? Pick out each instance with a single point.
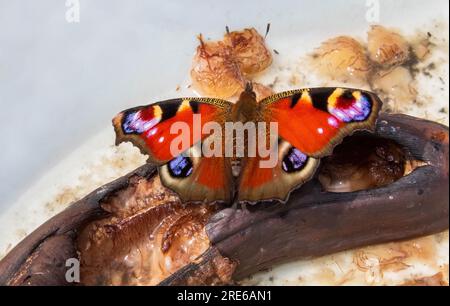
(310, 123)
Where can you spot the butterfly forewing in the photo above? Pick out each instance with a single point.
(315, 120)
(149, 127)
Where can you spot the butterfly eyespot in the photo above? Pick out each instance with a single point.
(132, 123)
(180, 167)
(294, 160)
(137, 122)
(351, 106)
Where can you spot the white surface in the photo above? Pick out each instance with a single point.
(61, 83)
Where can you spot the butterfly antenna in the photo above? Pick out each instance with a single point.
(203, 52)
(267, 30)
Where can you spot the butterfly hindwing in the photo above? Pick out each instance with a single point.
(149, 127)
(199, 179)
(261, 182)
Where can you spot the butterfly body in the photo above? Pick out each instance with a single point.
(246, 108)
(309, 123)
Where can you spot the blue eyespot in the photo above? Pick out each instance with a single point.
(128, 125)
(362, 109)
(132, 123)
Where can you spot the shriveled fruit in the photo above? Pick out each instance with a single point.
(249, 50)
(215, 72)
(386, 47)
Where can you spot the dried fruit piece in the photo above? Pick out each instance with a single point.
(386, 47)
(215, 72)
(219, 69)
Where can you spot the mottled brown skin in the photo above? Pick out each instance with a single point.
(312, 223)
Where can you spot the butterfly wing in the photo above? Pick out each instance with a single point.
(149, 127)
(291, 169)
(192, 177)
(311, 123)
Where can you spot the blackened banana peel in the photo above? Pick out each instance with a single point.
(206, 245)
